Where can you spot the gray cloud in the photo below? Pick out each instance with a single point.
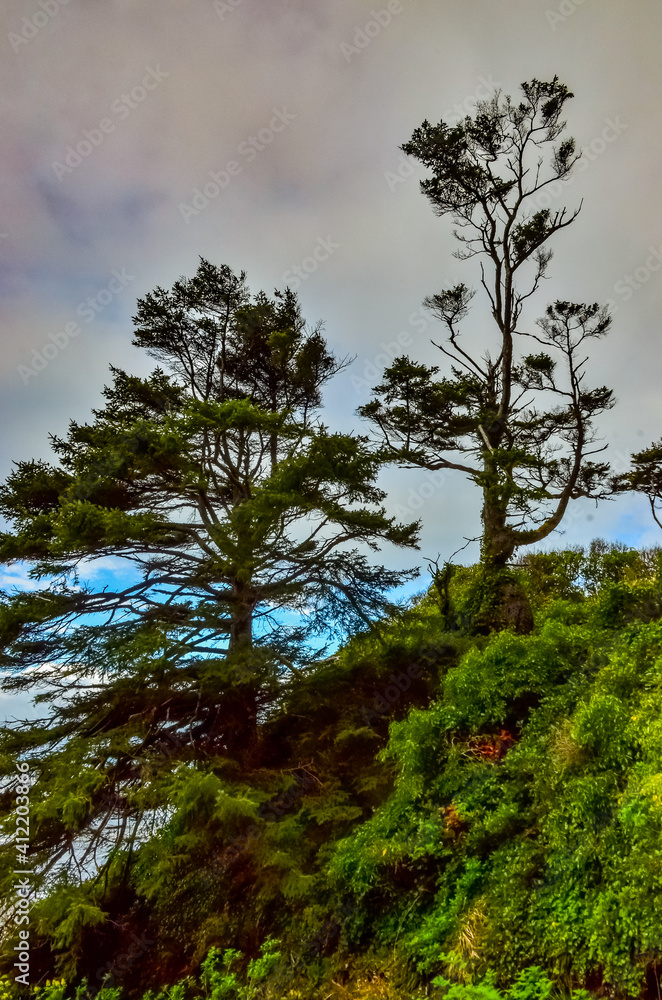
(230, 67)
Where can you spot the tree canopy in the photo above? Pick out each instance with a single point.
(488, 418)
(463, 801)
(233, 517)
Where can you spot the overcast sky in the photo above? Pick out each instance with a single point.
(285, 117)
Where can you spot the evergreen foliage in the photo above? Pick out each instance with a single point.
(464, 801)
(520, 426)
(489, 830)
(233, 517)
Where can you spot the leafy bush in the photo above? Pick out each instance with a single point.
(489, 831)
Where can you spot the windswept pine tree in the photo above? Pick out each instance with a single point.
(232, 516)
(519, 425)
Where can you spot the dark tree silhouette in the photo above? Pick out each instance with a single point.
(487, 419)
(238, 514)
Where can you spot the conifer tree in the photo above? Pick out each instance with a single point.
(487, 418)
(644, 477)
(237, 514)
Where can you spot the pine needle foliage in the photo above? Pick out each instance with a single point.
(517, 420)
(439, 814)
(238, 527)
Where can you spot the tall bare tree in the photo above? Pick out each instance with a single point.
(520, 425)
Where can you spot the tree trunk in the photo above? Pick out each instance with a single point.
(241, 726)
(500, 601)
(503, 603)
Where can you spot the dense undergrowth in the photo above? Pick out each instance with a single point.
(437, 814)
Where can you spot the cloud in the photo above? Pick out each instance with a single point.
(16, 578)
(322, 177)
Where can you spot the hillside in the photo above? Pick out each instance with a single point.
(432, 813)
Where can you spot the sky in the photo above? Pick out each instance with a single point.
(265, 134)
